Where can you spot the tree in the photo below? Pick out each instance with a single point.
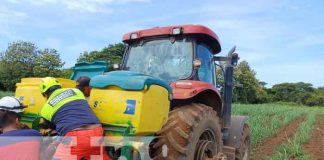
(292, 92)
(252, 90)
(316, 98)
(48, 63)
(300, 93)
(24, 59)
(17, 62)
(111, 54)
(2, 87)
(67, 73)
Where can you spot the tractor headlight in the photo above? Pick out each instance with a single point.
(176, 31)
(133, 36)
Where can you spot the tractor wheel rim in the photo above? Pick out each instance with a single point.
(204, 150)
(245, 157)
(206, 146)
(246, 150)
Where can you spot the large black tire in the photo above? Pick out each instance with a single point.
(244, 151)
(187, 127)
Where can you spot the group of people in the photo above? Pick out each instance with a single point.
(66, 113)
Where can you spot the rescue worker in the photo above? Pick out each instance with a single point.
(83, 85)
(67, 111)
(14, 136)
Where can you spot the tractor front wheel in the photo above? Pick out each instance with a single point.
(192, 132)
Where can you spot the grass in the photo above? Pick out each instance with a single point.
(265, 119)
(4, 93)
(293, 149)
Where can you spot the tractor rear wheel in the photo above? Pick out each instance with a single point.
(192, 132)
(243, 152)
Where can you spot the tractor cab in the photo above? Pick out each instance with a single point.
(173, 53)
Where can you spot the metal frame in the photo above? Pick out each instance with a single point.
(231, 61)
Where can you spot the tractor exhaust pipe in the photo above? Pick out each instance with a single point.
(230, 62)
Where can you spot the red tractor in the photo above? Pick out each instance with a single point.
(200, 124)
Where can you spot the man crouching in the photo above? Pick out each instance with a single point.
(67, 112)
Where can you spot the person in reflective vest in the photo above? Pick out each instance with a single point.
(67, 112)
(14, 135)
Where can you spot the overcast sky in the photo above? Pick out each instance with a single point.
(283, 40)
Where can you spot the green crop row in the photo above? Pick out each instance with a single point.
(265, 119)
(293, 149)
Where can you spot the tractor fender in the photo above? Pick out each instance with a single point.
(185, 89)
(197, 92)
(235, 132)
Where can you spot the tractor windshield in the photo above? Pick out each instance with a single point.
(162, 58)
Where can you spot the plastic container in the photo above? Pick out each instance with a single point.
(28, 92)
(89, 69)
(129, 103)
(144, 112)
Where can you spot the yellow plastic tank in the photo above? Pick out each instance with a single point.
(28, 92)
(144, 111)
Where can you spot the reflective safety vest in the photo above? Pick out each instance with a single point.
(59, 98)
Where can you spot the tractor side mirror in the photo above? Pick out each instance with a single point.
(230, 60)
(234, 59)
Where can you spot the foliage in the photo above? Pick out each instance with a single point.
(252, 90)
(24, 59)
(300, 93)
(48, 63)
(290, 92)
(111, 54)
(317, 98)
(17, 62)
(3, 94)
(265, 119)
(293, 149)
(67, 73)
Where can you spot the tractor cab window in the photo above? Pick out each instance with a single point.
(207, 68)
(162, 58)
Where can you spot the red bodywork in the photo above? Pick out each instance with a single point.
(197, 92)
(185, 89)
(198, 30)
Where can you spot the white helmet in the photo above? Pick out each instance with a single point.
(11, 104)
